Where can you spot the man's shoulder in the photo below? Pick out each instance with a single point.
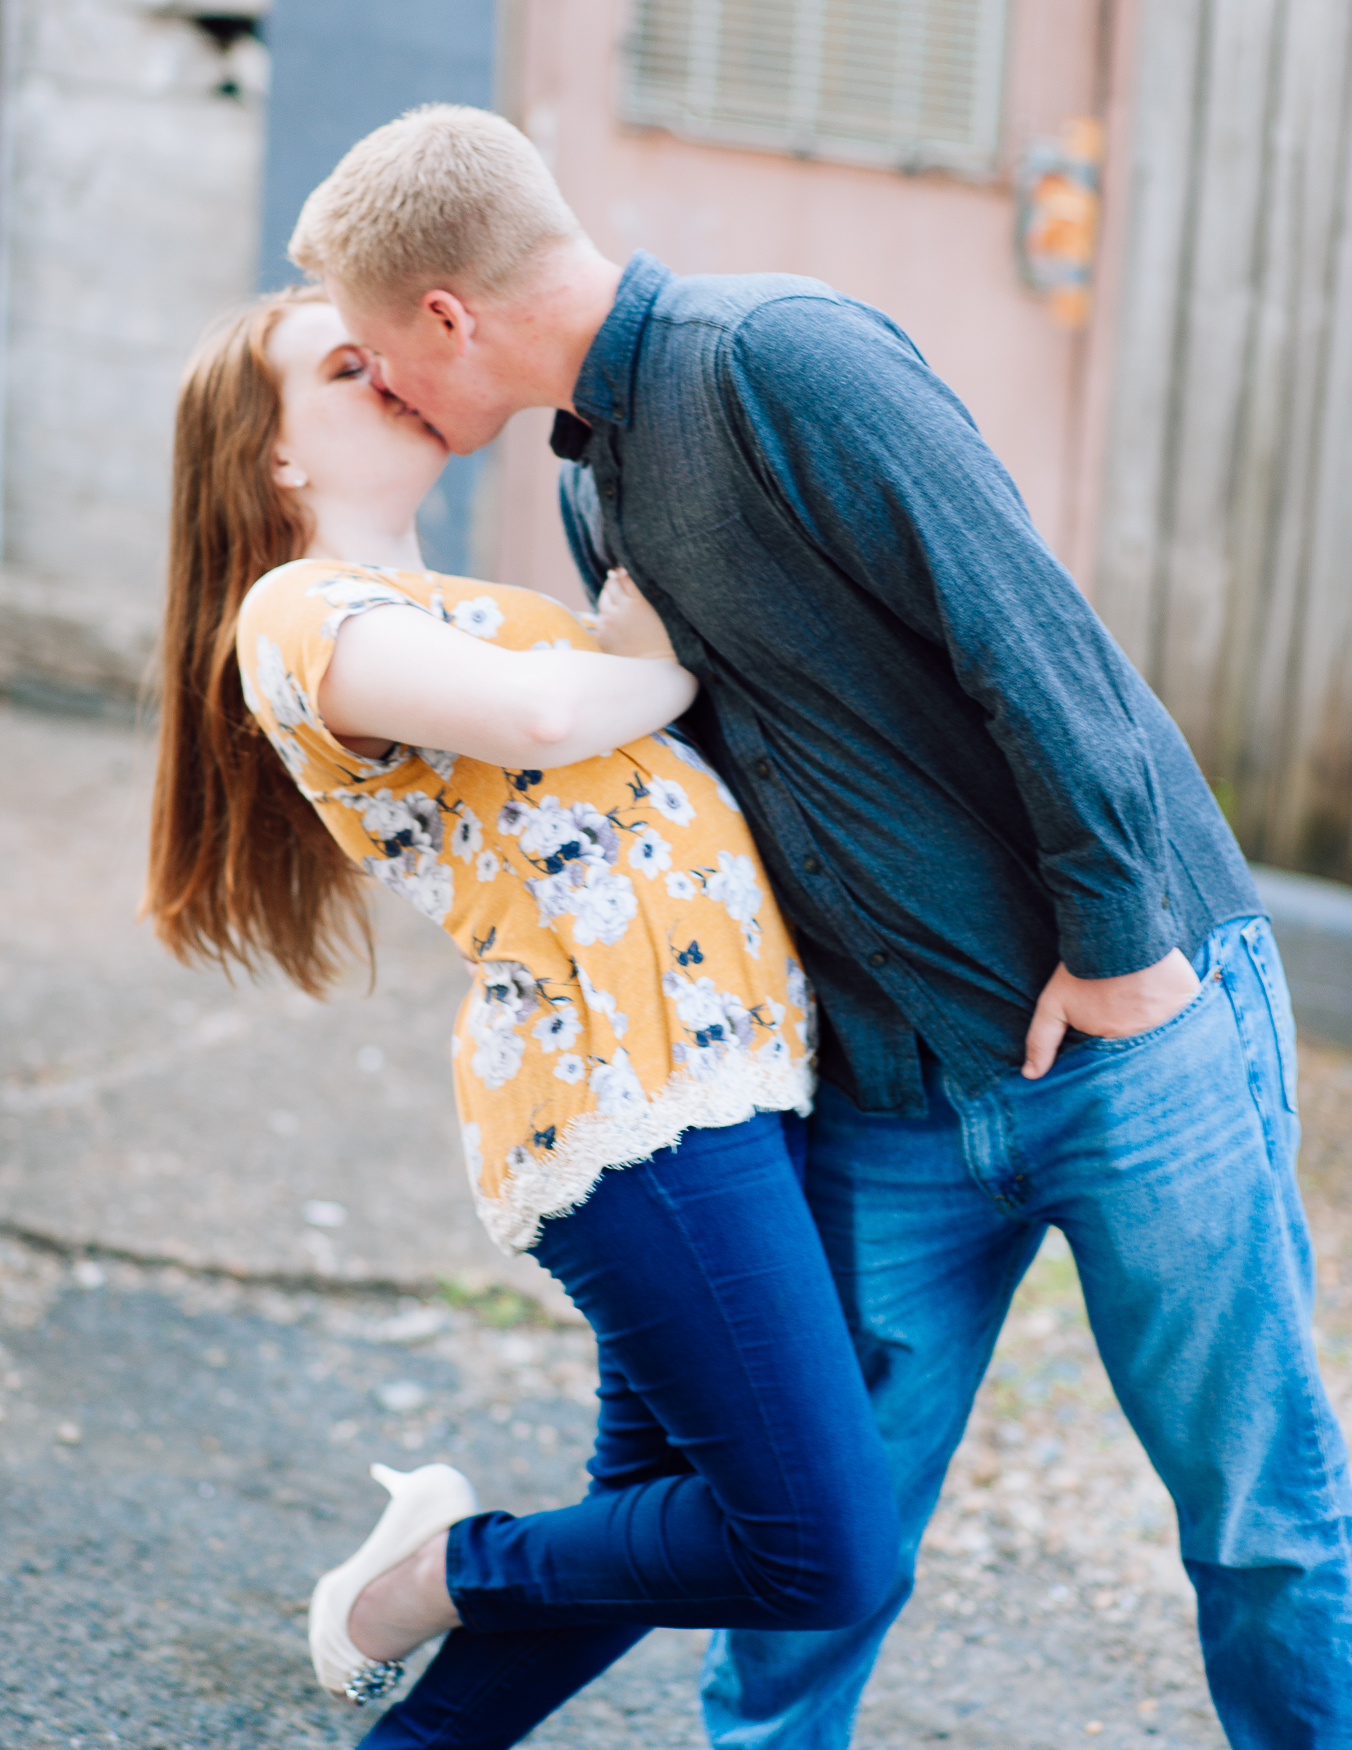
(766, 303)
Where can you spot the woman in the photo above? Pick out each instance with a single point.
(636, 1005)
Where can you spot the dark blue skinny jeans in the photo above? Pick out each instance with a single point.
(739, 1479)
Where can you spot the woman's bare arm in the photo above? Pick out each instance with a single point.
(399, 675)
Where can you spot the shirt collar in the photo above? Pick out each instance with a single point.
(605, 384)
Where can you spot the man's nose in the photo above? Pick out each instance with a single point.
(376, 372)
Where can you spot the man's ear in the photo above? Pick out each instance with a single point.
(451, 316)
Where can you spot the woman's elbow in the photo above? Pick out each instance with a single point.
(548, 723)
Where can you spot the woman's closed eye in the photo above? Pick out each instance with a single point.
(349, 363)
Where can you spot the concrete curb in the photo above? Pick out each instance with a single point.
(1312, 921)
(477, 1297)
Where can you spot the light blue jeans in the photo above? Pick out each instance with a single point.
(1167, 1160)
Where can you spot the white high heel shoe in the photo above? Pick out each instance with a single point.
(422, 1503)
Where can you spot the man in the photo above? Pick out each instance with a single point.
(1048, 992)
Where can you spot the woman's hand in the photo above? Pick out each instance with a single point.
(627, 624)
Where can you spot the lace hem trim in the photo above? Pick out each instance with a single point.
(595, 1142)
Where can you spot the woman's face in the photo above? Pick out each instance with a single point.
(341, 437)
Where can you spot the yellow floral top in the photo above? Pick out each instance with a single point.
(634, 978)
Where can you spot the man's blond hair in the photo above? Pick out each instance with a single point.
(446, 197)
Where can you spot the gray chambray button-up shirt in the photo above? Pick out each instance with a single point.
(954, 775)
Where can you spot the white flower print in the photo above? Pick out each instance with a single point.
(558, 644)
(602, 908)
(751, 939)
(467, 836)
(487, 865)
(513, 817)
(774, 1050)
(417, 877)
(408, 829)
(618, 1090)
(352, 595)
(697, 1003)
(556, 835)
(480, 617)
(668, 798)
(292, 753)
(554, 896)
(441, 762)
(600, 830)
(500, 1046)
(734, 886)
(692, 757)
(547, 829)
(519, 1158)
(508, 994)
(795, 983)
(401, 823)
(570, 1068)
(558, 1027)
(718, 1019)
(680, 886)
(511, 986)
(601, 1002)
(651, 853)
(474, 1154)
(281, 692)
(602, 903)
(799, 993)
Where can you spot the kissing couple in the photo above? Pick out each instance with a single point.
(845, 911)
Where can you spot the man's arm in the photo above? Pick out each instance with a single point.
(883, 469)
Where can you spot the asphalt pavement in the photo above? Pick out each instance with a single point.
(238, 1263)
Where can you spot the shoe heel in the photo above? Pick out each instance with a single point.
(392, 1481)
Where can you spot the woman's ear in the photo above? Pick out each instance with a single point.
(286, 474)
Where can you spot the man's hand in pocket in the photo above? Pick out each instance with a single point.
(1106, 1008)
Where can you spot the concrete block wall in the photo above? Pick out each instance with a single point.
(132, 175)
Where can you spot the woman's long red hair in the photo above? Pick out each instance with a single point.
(241, 867)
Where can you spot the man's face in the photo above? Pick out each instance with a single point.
(439, 361)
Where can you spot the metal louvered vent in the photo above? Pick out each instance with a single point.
(912, 84)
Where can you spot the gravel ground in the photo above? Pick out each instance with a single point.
(181, 1455)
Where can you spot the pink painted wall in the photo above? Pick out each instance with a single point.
(934, 253)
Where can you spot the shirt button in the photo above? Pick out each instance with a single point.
(608, 490)
(761, 768)
(877, 958)
(812, 864)
(619, 412)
